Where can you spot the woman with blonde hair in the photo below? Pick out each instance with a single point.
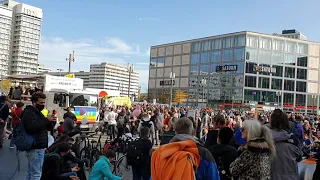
(258, 153)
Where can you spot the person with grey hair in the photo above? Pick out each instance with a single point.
(185, 130)
(259, 151)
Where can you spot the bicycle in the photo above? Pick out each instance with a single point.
(121, 163)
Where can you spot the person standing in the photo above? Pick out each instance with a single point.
(36, 124)
(111, 119)
(4, 113)
(16, 118)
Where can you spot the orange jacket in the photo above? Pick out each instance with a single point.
(173, 161)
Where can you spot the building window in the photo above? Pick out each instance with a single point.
(289, 72)
(289, 85)
(302, 48)
(288, 98)
(227, 55)
(252, 55)
(205, 57)
(252, 41)
(240, 67)
(239, 54)
(239, 41)
(194, 70)
(226, 80)
(160, 62)
(301, 86)
(265, 43)
(206, 45)
(276, 58)
(289, 47)
(250, 67)
(279, 71)
(228, 42)
(250, 81)
(302, 61)
(196, 47)
(195, 58)
(216, 43)
(204, 69)
(277, 45)
(265, 57)
(251, 95)
(276, 84)
(290, 59)
(301, 73)
(216, 56)
(300, 100)
(264, 82)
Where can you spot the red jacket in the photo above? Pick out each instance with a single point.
(16, 115)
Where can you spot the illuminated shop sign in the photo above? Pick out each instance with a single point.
(226, 68)
(167, 83)
(264, 69)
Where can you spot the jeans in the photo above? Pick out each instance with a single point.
(12, 142)
(138, 175)
(69, 174)
(35, 162)
(2, 132)
(112, 128)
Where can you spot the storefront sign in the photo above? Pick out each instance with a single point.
(265, 69)
(226, 68)
(167, 82)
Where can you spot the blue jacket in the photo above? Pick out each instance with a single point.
(238, 137)
(207, 169)
(101, 170)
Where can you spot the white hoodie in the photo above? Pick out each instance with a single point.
(111, 119)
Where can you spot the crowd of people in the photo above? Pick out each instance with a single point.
(172, 143)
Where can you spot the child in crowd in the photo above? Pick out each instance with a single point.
(307, 145)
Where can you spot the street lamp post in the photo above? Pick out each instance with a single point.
(130, 70)
(203, 82)
(70, 59)
(60, 70)
(172, 77)
(278, 93)
(232, 102)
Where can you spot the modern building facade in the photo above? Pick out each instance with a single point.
(115, 77)
(5, 35)
(81, 74)
(25, 28)
(240, 69)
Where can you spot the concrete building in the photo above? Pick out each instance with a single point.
(114, 77)
(240, 69)
(81, 74)
(25, 26)
(5, 35)
(42, 69)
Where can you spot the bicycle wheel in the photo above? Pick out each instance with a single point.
(85, 154)
(122, 165)
(95, 155)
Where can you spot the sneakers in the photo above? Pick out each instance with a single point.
(11, 147)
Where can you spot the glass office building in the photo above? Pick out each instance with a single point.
(240, 69)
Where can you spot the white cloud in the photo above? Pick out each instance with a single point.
(55, 50)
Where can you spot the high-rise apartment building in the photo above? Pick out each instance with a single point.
(240, 69)
(5, 35)
(25, 26)
(114, 77)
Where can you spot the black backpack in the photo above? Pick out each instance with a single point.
(134, 153)
(146, 124)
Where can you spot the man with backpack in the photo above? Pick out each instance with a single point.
(34, 124)
(138, 155)
(4, 113)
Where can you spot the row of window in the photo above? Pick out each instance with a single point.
(276, 45)
(227, 55)
(269, 57)
(289, 72)
(219, 43)
(267, 83)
